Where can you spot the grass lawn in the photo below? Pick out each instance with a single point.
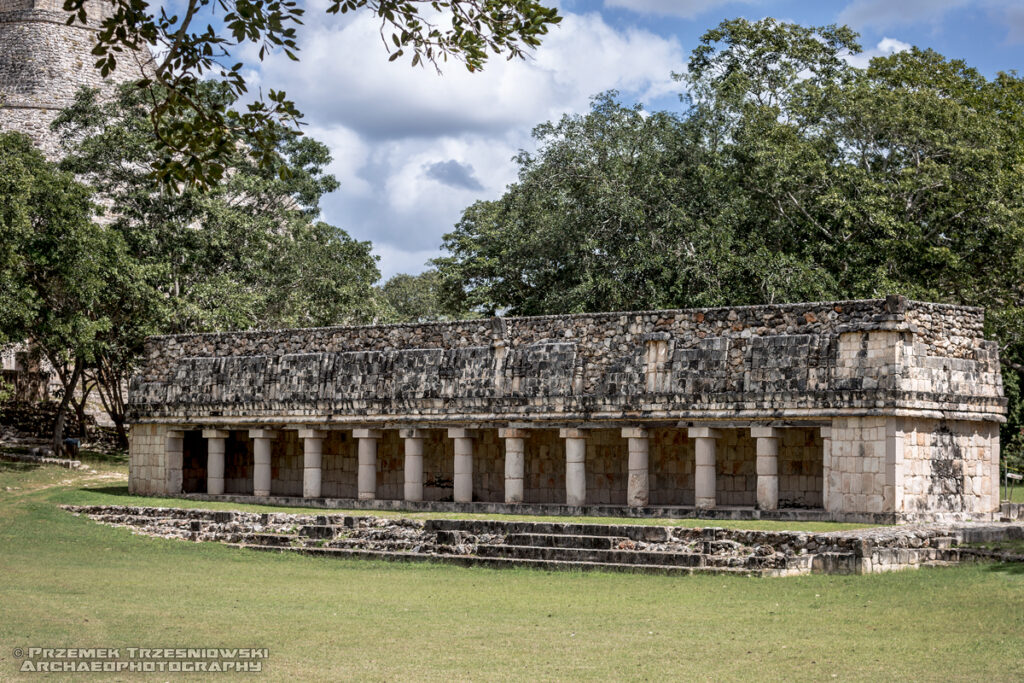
(70, 582)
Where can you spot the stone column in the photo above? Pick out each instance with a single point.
(175, 455)
(367, 478)
(638, 485)
(215, 460)
(261, 461)
(575, 466)
(515, 463)
(312, 461)
(826, 464)
(767, 467)
(463, 439)
(704, 473)
(413, 463)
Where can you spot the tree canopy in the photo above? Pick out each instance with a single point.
(194, 138)
(790, 175)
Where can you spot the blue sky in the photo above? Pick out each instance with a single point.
(412, 149)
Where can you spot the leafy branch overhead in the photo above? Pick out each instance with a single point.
(189, 47)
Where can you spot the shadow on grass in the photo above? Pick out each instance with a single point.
(7, 466)
(1016, 568)
(108, 490)
(119, 458)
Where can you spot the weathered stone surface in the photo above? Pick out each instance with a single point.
(851, 357)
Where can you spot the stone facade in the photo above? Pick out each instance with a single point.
(881, 409)
(43, 63)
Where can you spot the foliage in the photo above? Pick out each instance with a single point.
(248, 253)
(415, 298)
(195, 139)
(57, 264)
(792, 175)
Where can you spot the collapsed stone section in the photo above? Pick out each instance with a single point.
(878, 410)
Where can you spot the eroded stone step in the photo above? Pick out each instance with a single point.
(563, 541)
(591, 555)
(511, 562)
(635, 532)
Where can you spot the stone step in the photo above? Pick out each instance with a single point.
(565, 541)
(513, 562)
(591, 555)
(635, 532)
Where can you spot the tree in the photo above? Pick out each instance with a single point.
(55, 266)
(194, 138)
(248, 253)
(791, 175)
(416, 298)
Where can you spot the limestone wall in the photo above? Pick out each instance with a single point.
(43, 63)
(820, 359)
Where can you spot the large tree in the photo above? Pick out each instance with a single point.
(251, 252)
(57, 266)
(791, 175)
(206, 37)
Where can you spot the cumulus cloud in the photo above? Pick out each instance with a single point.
(684, 9)
(413, 148)
(885, 47)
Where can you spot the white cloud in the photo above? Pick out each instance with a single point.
(387, 122)
(886, 46)
(684, 9)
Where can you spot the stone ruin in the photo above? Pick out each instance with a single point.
(43, 63)
(879, 410)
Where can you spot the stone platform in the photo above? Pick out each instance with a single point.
(538, 509)
(568, 546)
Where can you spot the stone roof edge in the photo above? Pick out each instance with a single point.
(910, 303)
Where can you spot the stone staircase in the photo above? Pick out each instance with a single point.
(560, 546)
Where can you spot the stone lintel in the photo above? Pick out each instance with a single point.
(461, 433)
(513, 433)
(310, 433)
(175, 433)
(216, 434)
(412, 433)
(262, 433)
(765, 432)
(703, 433)
(635, 433)
(572, 433)
(367, 433)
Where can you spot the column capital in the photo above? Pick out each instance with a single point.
(367, 434)
(572, 433)
(262, 434)
(765, 432)
(175, 433)
(513, 433)
(216, 434)
(412, 433)
(703, 433)
(826, 432)
(310, 433)
(461, 433)
(635, 433)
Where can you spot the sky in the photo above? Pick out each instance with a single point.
(412, 149)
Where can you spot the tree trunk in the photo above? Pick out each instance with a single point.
(62, 410)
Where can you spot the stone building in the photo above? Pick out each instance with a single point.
(880, 410)
(43, 63)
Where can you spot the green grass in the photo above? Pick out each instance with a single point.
(70, 582)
